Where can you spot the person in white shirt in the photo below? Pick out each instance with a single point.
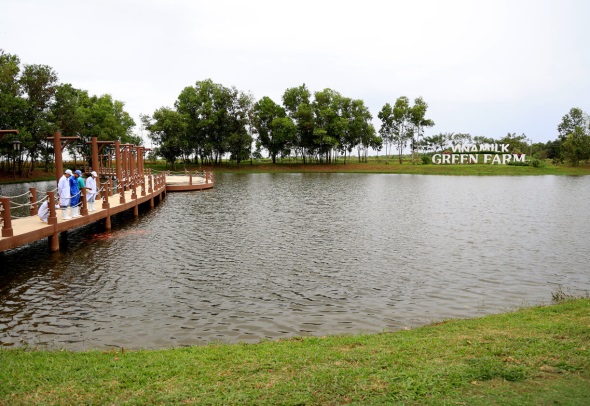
(43, 211)
(91, 190)
(63, 190)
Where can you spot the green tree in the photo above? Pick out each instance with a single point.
(553, 149)
(397, 124)
(39, 83)
(195, 102)
(330, 125)
(517, 144)
(574, 119)
(296, 101)
(576, 147)
(12, 106)
(167, 129)
(439, 141)
(106, 119)
(574, 134)
(217, 119)
(275, 130)
(386, 130)
(480, 140)
(239, 140)
(359, 131)
(66, 113)
(419, 122)
(460, 138)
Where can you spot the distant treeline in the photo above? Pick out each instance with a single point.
(210, 121)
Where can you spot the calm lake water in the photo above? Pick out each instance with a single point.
(269, 256)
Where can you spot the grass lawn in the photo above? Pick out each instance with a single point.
(532, 356)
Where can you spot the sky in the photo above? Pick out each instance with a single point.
(484, 67)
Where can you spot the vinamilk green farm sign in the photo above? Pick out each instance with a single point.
(495, 154)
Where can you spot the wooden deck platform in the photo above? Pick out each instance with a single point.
(185, 183)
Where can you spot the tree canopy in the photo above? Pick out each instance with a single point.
(34, 102)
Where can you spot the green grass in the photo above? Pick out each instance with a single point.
(535, 356)
(382, 165)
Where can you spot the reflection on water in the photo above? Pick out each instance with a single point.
(281, 255)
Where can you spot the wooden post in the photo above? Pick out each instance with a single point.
(52, 219)
(133, 188)
(95, 161)
(140, 161)
(132, 170)
(105, 201)
(7, 230)
(53, 239)
(53, 242)
(121, 192)
(33, 200)
(84, 209)
(59, 165)
(118, 162)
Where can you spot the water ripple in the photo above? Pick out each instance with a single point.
(269, 256)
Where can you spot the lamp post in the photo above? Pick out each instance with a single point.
(79, 148)
(16, 145)
(79, 151)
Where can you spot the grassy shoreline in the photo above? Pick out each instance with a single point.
(374, 165)
(537, 355)
(382, 165)
(417, 169)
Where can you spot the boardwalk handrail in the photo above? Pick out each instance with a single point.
(131, 192)
(11, 203)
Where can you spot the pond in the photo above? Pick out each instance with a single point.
(271, 256)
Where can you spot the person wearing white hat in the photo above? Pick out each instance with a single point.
(63, 190)
(91, 190)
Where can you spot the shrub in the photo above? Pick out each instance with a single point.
(538, 163)
(518, 163)
(426, 160)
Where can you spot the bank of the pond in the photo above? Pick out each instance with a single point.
(535, 355)
(406, 168)
(380, 165)
(374, 165)
(37, 176)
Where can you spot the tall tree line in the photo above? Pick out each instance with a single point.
(209, 120)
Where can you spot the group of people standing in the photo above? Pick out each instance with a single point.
(69, 189)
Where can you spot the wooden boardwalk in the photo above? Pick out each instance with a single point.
(29, 229)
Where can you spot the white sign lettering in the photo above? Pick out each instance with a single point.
(497, 154)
